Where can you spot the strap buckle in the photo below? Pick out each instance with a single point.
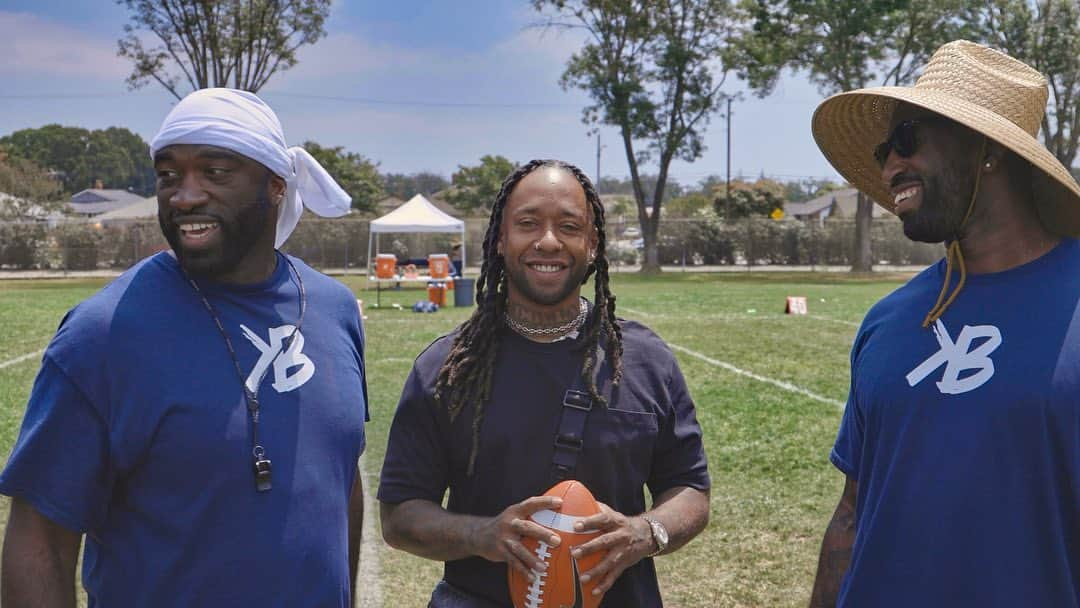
(571, 442)
(578, 400)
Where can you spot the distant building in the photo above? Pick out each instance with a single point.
(145, 209)
(838, 204)
(19, 210)
(95, 201)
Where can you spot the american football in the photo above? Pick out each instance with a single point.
(559, 586)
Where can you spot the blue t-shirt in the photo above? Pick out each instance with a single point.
(965, 442)
(137, 434)
(647, 436)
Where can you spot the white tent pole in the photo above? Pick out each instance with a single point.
(369, 252)
(463, 249)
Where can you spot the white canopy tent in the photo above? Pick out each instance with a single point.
(416, 215)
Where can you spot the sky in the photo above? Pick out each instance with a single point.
(412, 85)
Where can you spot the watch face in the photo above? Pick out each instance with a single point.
(661, 534)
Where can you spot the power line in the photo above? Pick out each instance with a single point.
(358, 100)
(436, 104)
(67, 96)
(339, 98)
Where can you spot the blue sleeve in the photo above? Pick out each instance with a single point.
(416, 463)
(679, 453)
(60, 462)
(846, 451)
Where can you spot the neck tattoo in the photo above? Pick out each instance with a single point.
(530, 331)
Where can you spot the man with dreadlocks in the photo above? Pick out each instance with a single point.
(960, 441)
(480, 412)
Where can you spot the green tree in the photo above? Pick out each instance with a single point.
(614, 185)
(654, 69)
(115, 156)
(140, 176)
(801, 190)
(354, 173)
(406, 186)
(845, 45)
(1045, 34)
(475, 188)
(217, 44)
(30, 186)
(757, 199)
(694, 204)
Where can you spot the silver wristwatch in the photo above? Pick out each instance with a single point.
(659, 534)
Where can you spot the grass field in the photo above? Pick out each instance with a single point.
(769, 390)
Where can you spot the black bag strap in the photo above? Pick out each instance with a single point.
(570, 436)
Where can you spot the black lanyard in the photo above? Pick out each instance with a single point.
(251, 398)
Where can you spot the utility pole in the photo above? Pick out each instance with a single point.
(727, 200)
(598, 158)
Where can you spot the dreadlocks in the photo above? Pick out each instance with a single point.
(466, 375)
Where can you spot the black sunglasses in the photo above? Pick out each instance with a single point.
(903, 138)
(902, 141)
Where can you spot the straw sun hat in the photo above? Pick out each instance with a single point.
(983, 89)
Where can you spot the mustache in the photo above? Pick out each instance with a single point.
(903, 178)
(176, 217)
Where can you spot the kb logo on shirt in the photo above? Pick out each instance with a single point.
(958, 357)
(283, 361)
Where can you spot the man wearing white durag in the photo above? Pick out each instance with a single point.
(200, 418)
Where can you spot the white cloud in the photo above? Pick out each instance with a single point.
(523, 68)
(344, 55)
(35, 46)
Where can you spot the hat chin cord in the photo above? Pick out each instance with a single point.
(953, 251)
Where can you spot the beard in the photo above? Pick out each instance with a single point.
(238, 236)
(946, 197)
(516, 274)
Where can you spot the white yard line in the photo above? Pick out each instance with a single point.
(742, 372)
(369, 587)
(636, 313)
(21, 358)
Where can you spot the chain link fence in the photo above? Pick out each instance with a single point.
(342, 244)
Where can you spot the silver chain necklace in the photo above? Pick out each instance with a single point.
(567, 327)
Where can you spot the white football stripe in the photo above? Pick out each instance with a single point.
(557, 521)
(22, 358)
(369, 591)
(787, 386)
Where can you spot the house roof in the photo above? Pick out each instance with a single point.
(102, 195)
(837, 204)
(95, 209)
(146, 208)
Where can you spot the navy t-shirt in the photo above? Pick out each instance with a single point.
(137, 434)
(965, 442)
(648, 436)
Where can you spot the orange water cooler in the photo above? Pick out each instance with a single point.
(385, 265)
(436, 293)
(438, 265)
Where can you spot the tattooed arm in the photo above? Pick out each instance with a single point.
(424, 528)
(836, 550)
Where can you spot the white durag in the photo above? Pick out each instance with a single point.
(240, 121)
